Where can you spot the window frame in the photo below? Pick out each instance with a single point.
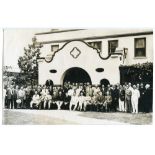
(109, 41)
(135, 39)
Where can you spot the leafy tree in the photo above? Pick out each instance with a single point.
(28, 62)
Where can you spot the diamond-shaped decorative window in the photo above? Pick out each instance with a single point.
(75, 52)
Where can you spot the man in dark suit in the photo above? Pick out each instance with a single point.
(14, 97)
(148, 99)
(141, 99)
(49, 83)
(115, 98)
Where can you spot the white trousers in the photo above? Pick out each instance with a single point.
(59, 103)
(134, 105)
(48, 102)
(73, 103)
(80, 105)
(32, 102)
(121, 105)
(4, 102)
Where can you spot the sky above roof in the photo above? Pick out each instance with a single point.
(14, 42)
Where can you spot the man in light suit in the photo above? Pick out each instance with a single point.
(134, 99)
(89, 91)
(22, 96)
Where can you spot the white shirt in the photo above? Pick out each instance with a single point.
(21, 93)
(96, 90)
(78, 91)
(44, 92)
(48, 97)
(130, 88)
(70, 92)
(35, 98)
(135, 94)
(4, 93)
(74, 100)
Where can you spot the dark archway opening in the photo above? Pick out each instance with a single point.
(104, 82)
(76, 75)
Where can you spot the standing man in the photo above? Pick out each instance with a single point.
(9, 97)
(134, 99)
(49, 84)
(141, 99)
(89, 90)
(14, 97)
(103, 89)
(101, 99)
(107, 102)
(115, 98)
(148, 99)
(4, 96)
(121, 99)
(128, 94)
(21, 95)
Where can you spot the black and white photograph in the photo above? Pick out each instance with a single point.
(77, 77)
(94, 76)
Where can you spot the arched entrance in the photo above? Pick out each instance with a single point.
(104, 82)
(76, 75)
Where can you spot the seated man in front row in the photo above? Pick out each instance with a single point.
(47, 100)
(35, 100)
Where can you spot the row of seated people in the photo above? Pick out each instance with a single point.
(74, 102)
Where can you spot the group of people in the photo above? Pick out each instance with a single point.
(80, 96)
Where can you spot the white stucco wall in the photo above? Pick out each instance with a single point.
(88, 60)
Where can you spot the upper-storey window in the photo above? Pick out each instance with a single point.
(96, 44)
(54, 48)
(112, 45)
(140, 47)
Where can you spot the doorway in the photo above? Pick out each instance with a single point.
(76, 75)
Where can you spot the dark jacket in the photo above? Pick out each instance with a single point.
(49, 83)
(122, 95)
(9, 94)
(14, 94)
(148, 100)
(115, 94)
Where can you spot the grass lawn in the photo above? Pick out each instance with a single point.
(19, 118)
(138, 119)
